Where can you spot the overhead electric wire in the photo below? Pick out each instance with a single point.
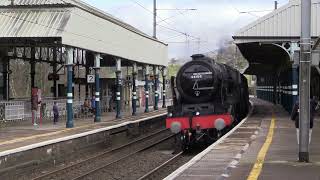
(172, 37)
(266, 10)
(170, 17)
(169, 28)
(139, 4)
(250, 12)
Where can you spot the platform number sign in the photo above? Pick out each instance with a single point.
(91, 79)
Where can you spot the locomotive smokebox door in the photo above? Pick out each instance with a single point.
(195, 82)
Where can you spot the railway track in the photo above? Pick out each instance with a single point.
(133, 118)
(89, 166)
(158, 171)
(88, 174)
(135, 160)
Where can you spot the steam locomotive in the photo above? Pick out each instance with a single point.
(208, 99)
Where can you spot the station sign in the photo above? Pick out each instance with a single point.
(91, 78)
(53, 77)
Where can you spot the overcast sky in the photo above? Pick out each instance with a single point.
(212, 22)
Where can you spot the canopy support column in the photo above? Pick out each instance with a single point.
(33, 67)
(146, 88)
(97, 81)
(54, 69)
(295, 84)
(118, 90)
(6, 77)
(164, 74)
(69, 60)
(156, 93)
(134, 89)
(87, 85)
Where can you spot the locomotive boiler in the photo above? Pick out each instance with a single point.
(208, 99)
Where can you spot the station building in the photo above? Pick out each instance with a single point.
(40, 39)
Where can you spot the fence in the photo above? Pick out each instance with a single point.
(21, 110)
(12, 110)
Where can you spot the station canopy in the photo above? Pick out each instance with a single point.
(269, 42)
(76, 24)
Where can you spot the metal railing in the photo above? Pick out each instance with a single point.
(21, 110)
(12, 110)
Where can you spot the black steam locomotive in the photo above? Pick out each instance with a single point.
(208, 99)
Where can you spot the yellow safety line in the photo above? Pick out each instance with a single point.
(257, 168)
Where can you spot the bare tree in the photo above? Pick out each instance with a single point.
(228, 53)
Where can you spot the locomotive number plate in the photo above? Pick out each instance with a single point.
(200, 75)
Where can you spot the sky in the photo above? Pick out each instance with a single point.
(188, 31)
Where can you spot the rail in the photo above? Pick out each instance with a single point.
(158, 169)
(122, 158)
(64, 170)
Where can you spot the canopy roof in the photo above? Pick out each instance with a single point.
(268, 43)
(283, 24)
(75, 23)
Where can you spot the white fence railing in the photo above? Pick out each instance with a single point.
(12, 110)
(21, 110)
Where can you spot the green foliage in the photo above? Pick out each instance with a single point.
(250, 78)
(229, 54)
(173, 69)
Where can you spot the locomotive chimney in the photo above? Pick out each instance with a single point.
(197, 56)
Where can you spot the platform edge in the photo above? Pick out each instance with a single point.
(198, 157)
(54, 141)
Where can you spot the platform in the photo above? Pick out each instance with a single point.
(21, 136)
(252, 151)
